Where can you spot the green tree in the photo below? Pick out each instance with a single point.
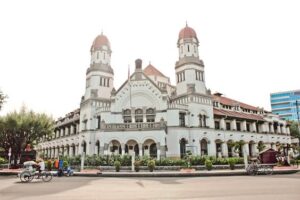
(294, 129)
(25, 127)
(2, 98)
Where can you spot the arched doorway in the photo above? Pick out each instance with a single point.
(251, 148)
(132, 147)
(183, 143)
(230, 148)
(218, 148)
(204, 147)
(150, 148)
(115, 147)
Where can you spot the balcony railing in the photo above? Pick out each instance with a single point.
(133, 126)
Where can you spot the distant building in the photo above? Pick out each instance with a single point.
(285, 103)
(148, 115)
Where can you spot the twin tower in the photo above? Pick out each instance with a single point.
(189, 68)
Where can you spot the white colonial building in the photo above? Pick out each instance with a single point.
(149, 116)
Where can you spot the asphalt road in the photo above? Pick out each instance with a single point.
(233, 187)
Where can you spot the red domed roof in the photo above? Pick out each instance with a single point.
(100, 41)
(187, 32)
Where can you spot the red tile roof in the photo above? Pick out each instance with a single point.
(187, 32)
(151, 70)
(236, 114)
(99, 41)
(231, 102)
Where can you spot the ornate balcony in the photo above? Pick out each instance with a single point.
(133, 126)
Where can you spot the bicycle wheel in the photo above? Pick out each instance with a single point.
(47, 176)
(252, 170)
(26, 176)
(268, 170)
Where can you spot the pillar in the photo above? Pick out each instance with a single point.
(222, 124)
(212, 148)
(72, 129)
(224, 149)
(140, 149)
(255, 150)
(233, 125)
(123, 149)
(244, 125)
(246, 149)
(253, 127)
(271, 128)
(158, 147)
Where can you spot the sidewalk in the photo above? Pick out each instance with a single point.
(97, 173)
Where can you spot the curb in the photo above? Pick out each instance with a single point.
(165, 174)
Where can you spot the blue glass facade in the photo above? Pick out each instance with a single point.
(285, 104)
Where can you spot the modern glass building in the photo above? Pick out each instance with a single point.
(285, 104)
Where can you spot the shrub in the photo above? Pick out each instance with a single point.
(151, 165)
(137, 165)
(117, 165)
(3, 161)
(49, 165)
(208, 164)
(65, 164)
(231, 163)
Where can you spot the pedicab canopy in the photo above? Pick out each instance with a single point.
(268, 156)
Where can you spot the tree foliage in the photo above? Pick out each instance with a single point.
(2, 98)
(294, 129)
(25, 127)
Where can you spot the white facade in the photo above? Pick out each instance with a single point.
(149, 116)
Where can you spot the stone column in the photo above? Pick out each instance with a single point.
(140, 149)
(95, 149)
(222, 124)
(72, 129)
(105, 149)
(266, 127)
(123, 149)
(212, 148)
(246, 149)
(283, 130)
(255, 150)
(233, 125)
(244, 126)
(158, 147)
(77, 151)
(279, 129)
(253, 127)
(271, 128)
(224, 149)
(287, 130)
(101, 150)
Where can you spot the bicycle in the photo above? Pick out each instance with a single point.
(254, 168)
(28, 176)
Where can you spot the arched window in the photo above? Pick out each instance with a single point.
(138, 115)
(188, 47)
(127, 116)
(150, 115)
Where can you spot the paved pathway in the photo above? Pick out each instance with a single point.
(212, 188)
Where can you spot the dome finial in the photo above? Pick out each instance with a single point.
(186, 24)
(101, 31)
